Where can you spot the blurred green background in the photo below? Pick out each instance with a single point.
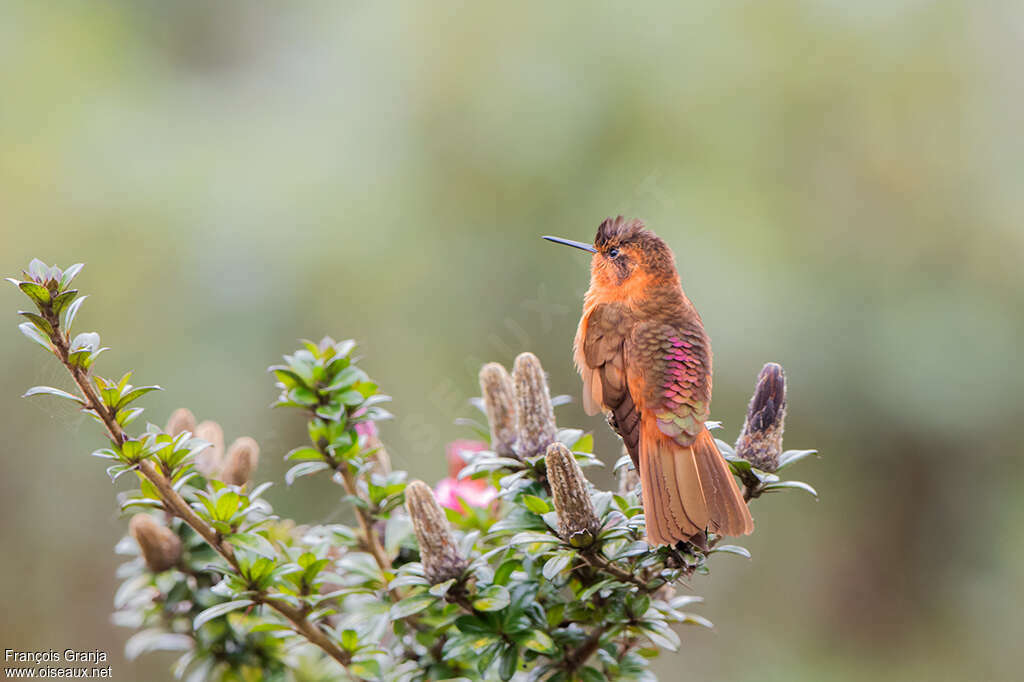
(840, 182)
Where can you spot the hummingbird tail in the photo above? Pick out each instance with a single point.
(688, 490)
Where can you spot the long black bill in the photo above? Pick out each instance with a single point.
(569, 242)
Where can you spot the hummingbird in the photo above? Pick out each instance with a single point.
(645, 361)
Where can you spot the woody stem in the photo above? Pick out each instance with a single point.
(176, 504)
(363, 516)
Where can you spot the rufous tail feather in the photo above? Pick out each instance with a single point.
(688, 490)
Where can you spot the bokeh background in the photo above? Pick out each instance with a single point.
(840, 182)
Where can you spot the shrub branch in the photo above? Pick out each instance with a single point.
(176, 504)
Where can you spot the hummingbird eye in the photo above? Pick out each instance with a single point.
(613, 252)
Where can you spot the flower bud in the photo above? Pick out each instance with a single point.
(499, 394)
(181, 420)
(209, 460)
(577, 520)
(760, 442)
(240, 462)
(535, 418)
(161, 548)
(440, 557)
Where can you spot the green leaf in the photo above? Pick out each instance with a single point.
(39, 321)
(505, 571)
(60, 303)
(350, 398)
(633, 549)
(29, 330)
(411, 605)
(155, 639)
(219, 610)
(569, 437)
(486, 648)
(694, 619)
(533, 538)
(105, 453)
(72, 311)
(493, 598)
(536, 504)
(258, 490)
(740, 467)
(303, 396)
(473, 626)
(731, 549)
(638, 603)
(271, 627)
(407, 579)
(305, 453)
(253, 541)
(790, 485)
(508, 663)
(37, 292)
(132, 501)
(85, 341)
(304, 469)
(50, 390)
(366, 668)
(135, 394)
(790, 457)
(346, 378)
(126, 417)
(331, 411)
(661, 634)
(349, 640)
(584, 444)
(69, 274)
(540, 642)
(441, 589)
(227, 504)
(556, 564)
(344, 348)
(599, 586)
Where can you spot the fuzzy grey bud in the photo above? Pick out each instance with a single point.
(760, 442)
(440, 557)
(577, 520)
(241, 461)
(535, 418)
(161, 548)
(181, 420)
(499, 394)
(209, 460)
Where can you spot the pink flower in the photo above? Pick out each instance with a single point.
(452, 491)
(368, 429)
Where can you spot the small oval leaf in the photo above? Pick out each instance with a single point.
(219, 610)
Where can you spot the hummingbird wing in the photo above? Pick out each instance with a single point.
(655, 379)
(600, 358)
(690, 486)
(673, 365)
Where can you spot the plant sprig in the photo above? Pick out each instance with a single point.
(527, 569)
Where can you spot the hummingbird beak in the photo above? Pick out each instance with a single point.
(569, 242)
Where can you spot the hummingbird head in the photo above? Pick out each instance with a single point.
(626, 255)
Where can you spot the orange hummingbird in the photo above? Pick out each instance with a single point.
(646, 361)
